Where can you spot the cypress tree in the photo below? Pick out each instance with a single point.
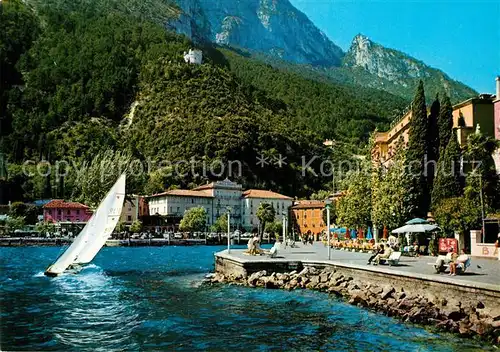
(417, 198)
(445, 123)
(433, 140)
(448, 183)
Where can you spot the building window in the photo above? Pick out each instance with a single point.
(77, 211)
(129, 218)
(59, 212)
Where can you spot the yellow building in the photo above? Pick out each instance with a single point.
(475, 111)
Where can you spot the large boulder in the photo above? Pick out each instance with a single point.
(406, 304)
(387, 292)
(358, 298)
(252, 280)
(324, 277)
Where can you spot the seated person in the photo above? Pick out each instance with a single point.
(380, 250)
(444, 259)
(387, 253)
(461, 259)
(257, 250)
(250, 244)
(392, 241)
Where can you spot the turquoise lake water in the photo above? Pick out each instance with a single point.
(150, 298)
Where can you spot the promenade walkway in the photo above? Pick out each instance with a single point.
(482, 271)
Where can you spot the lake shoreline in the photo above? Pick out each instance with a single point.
(57, 242)
(466, 310)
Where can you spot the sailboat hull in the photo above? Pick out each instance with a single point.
(50, 274)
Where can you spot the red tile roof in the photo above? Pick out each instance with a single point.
(183, 193)
(258, 193)
(61, 204)
(207, 186)
(309, 204)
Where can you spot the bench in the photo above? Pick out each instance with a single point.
(392, 260)
(461, 267)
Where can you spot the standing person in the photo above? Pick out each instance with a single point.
(497, 245)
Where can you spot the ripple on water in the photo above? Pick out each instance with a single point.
(150, 299)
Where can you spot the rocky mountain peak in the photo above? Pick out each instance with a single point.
(274, 27)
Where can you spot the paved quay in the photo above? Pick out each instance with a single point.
(484, 273)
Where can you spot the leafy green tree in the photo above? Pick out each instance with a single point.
(448, 183)
(445, 124)
(45, 227)
(220, 224)
(120, 227)
(418, 193)
(354, 208)
(194, 219)
(27, 211)
(481, 171)
(95, 178)
(433, 140)
(14, 223)
(457, 214)
(320, 195)
(275, 227)
(265, 214)
(136, 226)
(388, 194)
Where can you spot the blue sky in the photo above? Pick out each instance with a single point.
(462, 38)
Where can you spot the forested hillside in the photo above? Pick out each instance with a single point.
(331, 110)
(73, 74)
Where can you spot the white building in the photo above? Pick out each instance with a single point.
(193, 56)
(251, 200)
(216, 198)
(225, 194)
(174, 203)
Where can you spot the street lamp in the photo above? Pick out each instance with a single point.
(284, 229)
(228, 230)
(327, 206)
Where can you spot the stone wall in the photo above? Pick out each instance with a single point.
(466, 309)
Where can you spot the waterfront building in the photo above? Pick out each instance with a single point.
(58, 210)
(172, 205)
(217, 197)
(467, 115)
(225, 194)
(251, 200)
(307, 217)
(134, 208)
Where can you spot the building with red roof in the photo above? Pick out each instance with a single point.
(58, 210)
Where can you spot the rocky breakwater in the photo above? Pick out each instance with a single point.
(452, 316)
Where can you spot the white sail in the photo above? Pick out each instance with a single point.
(95, 233)
(106, 221)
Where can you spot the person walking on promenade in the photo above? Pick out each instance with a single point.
(378, 251)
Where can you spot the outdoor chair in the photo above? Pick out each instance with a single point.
(392, 260)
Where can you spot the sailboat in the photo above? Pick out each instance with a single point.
(95, 233)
